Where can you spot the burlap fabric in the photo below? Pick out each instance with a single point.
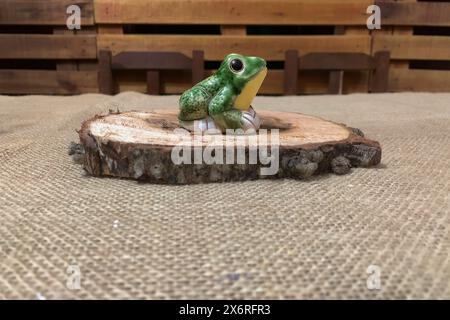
(258, 239)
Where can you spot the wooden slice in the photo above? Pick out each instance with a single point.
(150, 146)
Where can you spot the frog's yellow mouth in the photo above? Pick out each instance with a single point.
(245, 98)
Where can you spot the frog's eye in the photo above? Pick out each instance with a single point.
(236, 65)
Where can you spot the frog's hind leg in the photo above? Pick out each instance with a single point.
(236, 119)
(230, 119)
(193, 105)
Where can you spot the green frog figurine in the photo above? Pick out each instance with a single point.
(223, 100)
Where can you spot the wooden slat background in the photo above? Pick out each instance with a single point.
(43, 12)
(74, 53)
(240, 12)
(410, 47)
(404, 13)
(397, 35)
(40, 46)
(47, 82)
(217, 47)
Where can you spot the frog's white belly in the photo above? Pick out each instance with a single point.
(245, 98)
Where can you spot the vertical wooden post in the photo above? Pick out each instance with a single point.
(67, 65)
(198, 66)
(364, 75)
(380, 77)
(290, 72)
(336, 77)
(105, 76)
(335, 82)
(404, 31)
(153, 82)
(87, 65)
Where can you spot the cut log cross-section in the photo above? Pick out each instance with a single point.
(150, 146)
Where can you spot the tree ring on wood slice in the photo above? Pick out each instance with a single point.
(140, 145)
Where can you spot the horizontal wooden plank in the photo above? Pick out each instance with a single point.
(414, 13)
(309, 82)
(274, 12)
(149, 60)
(336, 61)
(401, 79)
(40, 46)
(234, 30)
(43, 12)
(47, 82)
(217, 47)
(411, 47)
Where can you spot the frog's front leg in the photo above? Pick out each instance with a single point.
(220, 108)
(226, 117)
